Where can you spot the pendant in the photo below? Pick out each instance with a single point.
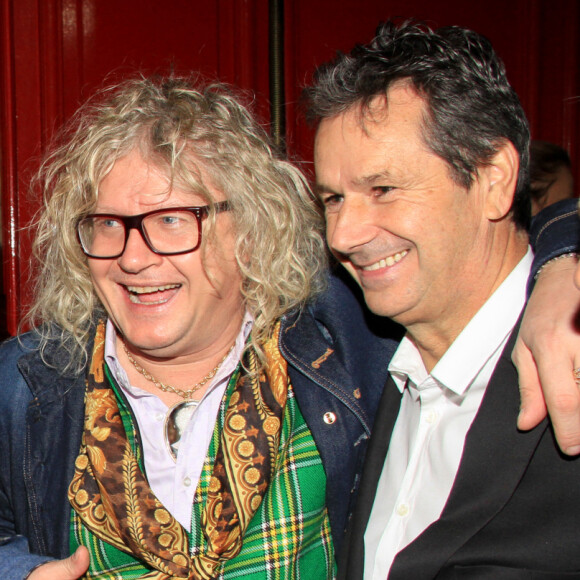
(176, 421)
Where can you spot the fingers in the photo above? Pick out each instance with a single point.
(562, 397)
(78, 563)
(71, 568)
(549, 387)
(533, 407)
(547, 351)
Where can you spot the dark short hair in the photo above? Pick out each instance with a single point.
(471, 107)
(546, 160)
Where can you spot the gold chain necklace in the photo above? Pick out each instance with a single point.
(187, 393)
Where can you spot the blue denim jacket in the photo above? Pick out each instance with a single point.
(337, 353)
(41, 420)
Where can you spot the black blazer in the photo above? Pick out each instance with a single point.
(514, 508)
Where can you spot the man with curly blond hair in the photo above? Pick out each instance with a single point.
(171, 242)
(192, 402)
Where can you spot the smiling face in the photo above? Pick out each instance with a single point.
(417, 243)
(166, 306)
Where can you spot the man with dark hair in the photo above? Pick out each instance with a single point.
(551, 178)
(421, 162)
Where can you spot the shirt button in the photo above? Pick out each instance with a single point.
(329, 418)
(187, 481)
(402, 509)
(431, 417)
(159, 416)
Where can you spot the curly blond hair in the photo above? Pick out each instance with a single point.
(178, 125)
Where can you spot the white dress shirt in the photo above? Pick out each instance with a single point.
(436, 413)
(174, 482)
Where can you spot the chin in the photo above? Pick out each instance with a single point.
(385, 312)
(381, 307)
(376, 303)
(148, 342)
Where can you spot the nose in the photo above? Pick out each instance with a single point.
(577, 276)
(351, 227)
(137, 255)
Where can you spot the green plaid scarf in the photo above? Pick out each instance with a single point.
(269, 524)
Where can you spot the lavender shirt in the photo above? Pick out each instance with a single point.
(174, 482)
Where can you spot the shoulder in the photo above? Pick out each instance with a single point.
(13, 349)
(340, 318)
(14, 388)
(34, 362)
(337, 343)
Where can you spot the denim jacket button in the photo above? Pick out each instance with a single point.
(329, 418)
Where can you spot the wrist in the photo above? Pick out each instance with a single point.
(570, 257)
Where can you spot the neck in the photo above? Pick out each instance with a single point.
(434, 337)
(194, 371)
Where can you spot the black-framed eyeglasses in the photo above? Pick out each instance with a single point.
(169, 231)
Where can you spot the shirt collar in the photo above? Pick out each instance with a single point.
(226, 369)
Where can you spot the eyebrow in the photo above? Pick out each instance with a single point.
(373, 177)
(320, 188)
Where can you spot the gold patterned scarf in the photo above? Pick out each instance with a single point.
(112, 497)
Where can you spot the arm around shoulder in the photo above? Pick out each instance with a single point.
(548, 347)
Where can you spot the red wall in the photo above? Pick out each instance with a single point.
(539, 41)
(55, 53)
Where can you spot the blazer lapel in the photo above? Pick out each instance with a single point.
(494, 459)
(351, 564)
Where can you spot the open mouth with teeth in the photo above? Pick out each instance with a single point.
(151, 294)
(386, 262)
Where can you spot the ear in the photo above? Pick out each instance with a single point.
(499, 178)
